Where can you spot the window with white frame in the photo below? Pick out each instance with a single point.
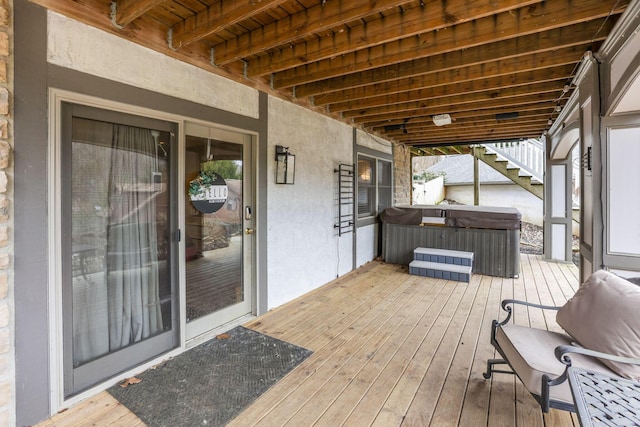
(374, 186)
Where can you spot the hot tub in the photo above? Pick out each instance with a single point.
(491, 233)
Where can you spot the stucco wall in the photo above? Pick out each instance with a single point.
(366, 236)
(81, 47)
(304, 249)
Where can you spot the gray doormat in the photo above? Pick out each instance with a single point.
(212, 383)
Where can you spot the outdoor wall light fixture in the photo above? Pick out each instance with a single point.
(285, 165)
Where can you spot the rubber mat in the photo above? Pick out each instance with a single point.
(212, 383)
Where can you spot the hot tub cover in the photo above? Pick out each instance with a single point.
(409, 215)
(461, 216)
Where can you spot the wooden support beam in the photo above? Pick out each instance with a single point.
(517, 103)
(462, 130)
(217, 17)
(427, 126)
(484, 135)
(561, 75)
(476, 182)
(488, 70)
(423, 61)
(332, 17)
(447, 38)
(129, 10)
(480, 114)
(538, 122)
(453, 103)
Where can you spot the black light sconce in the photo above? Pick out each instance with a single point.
(285, 165)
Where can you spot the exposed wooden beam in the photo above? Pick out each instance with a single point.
(483, 71)
(472, 140)
(409, 21)
(428, 126)
(464, 130)
(534, 108)
(548, 41)
(430, 90)
(455, 102)
(477, 138)
(218, 16)
(495, 27)
(511, 103)
(448, 149)
(492, 68)
(126, 11)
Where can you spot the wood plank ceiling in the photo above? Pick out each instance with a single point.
(501, 69)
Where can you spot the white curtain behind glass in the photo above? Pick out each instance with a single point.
(132, 252)
(118, 304)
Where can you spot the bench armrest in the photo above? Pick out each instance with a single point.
(562, 354)
(507, 306)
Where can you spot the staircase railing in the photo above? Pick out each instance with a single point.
(528, 155)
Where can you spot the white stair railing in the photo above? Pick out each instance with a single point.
(528, 155)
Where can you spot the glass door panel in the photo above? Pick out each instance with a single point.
(118, 286)
(217, 213)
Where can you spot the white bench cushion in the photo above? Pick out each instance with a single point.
(530, 352)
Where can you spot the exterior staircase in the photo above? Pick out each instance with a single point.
(522, 162)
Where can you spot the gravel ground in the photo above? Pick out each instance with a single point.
(531, 241)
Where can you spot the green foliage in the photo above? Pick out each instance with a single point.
(227, 169)
(428, 176)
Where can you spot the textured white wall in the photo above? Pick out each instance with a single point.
(83, 48)
(366, 244)
(304, 250)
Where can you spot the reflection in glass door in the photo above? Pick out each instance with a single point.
(217, 228)
(119, 283)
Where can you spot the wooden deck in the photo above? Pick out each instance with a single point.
(392, 349)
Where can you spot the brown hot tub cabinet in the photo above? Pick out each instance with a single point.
(491, 233)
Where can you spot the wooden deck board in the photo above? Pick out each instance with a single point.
(392, 349)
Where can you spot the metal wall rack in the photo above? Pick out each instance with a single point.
(346, 192)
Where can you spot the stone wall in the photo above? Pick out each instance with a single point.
(402, 175)
(7, 382)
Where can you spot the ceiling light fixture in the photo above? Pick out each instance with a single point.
(442, 119)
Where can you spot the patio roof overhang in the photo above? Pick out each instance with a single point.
(501, 70)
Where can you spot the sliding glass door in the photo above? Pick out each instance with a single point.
(124, 209)
(118, 242)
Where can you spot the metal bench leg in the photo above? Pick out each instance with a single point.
(490, 370)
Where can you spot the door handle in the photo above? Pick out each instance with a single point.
(248, 230)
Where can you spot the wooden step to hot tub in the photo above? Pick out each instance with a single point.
(442, 264)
